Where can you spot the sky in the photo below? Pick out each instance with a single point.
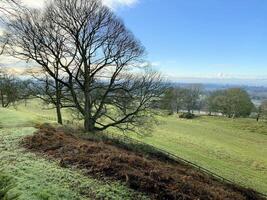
(207, 40)
(200, 40)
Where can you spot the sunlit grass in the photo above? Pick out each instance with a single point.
(38, 178)
(233, 148)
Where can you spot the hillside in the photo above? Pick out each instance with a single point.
(218, 144)
(37, 178)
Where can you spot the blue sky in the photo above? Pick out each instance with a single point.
(218, 41)
(203, 39)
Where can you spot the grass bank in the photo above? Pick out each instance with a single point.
(38, 178)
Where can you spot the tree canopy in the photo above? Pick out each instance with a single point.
(234, 102)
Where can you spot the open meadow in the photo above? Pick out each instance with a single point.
(233, 148)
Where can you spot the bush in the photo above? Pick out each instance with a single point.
(187, 116)
(6, 185)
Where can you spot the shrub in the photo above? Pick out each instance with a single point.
(6, 185)
(187, 115)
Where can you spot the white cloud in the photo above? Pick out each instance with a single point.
(33, 3)
(110, 3)
(118, 3)
(156, 64)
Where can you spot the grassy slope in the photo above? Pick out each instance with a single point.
(39, 179)
(235, 149)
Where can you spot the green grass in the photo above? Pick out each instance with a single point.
(38, 178)
(235, 149)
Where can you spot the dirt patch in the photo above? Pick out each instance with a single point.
(160, 180)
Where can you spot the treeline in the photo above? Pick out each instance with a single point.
(176, 99)
(233, 102)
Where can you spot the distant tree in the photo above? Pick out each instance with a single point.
(180, 98)
(216, 102)
(262, 110)
(169, 100)
(233, 102)
(191, 98)
(177, 98)
(12, 89)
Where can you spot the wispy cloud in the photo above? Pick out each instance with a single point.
(118, 3)
(156, 64)
(110, 3)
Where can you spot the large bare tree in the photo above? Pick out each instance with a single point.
(82, 45)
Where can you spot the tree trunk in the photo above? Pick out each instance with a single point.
(258, 117)
(2, 100)
(89, 123)
(58, 103)
(59, 116)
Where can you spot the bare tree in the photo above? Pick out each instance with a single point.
(50, 91)
(82, 45)
(7, 89)
(12, 89)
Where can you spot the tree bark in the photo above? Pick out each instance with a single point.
(89, 123)
(59, 116)
(58, 103)
(2, 100)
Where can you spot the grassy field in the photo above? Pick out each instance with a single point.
(235, 149)
(37, 178)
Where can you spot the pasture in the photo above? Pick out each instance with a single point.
(233, 148)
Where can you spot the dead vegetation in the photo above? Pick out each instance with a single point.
(158, 179)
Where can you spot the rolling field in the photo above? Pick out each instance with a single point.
(235, 149)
